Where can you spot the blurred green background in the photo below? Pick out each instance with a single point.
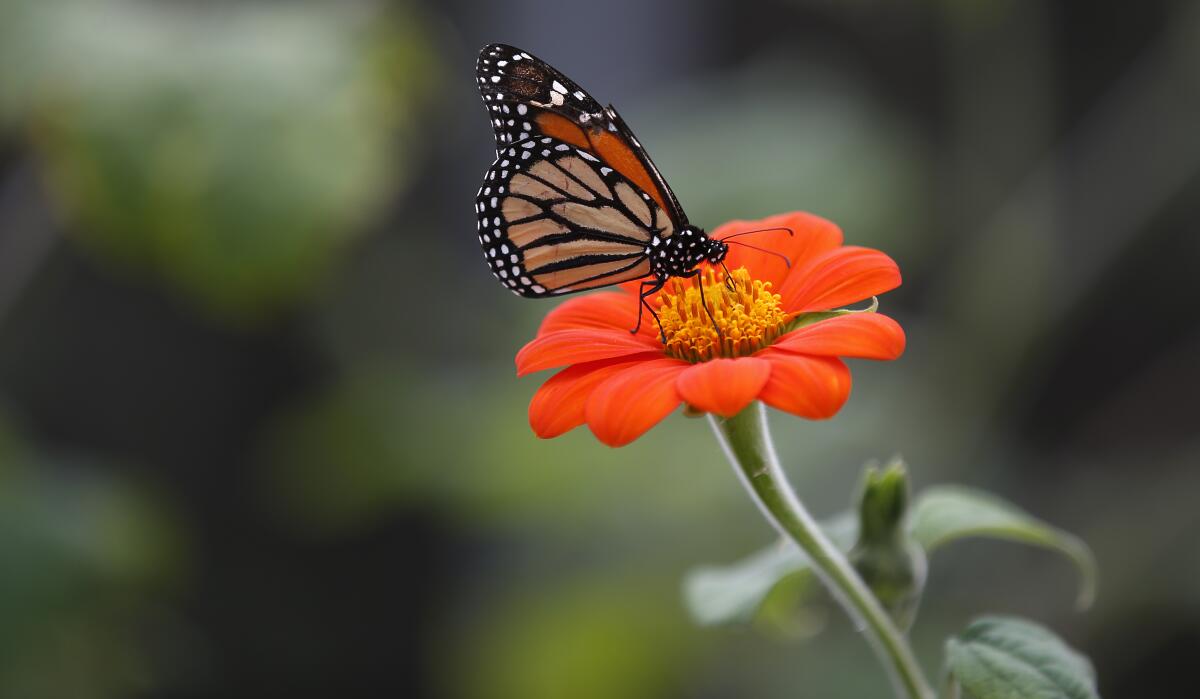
(259, 429)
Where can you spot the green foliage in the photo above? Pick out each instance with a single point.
(1008, 658)
(590, 640)
(940, 515)
(230, 153)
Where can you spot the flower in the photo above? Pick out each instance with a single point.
(776, 337)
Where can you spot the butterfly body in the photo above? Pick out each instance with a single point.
(573, 201)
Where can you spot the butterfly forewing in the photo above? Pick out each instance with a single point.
(554, 219)
(527, 98)
(518, 88)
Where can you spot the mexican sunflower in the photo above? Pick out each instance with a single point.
(776, 338)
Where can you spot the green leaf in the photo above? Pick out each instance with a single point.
(948, 513)
(724, 594)
(940, 515)
(1008, 658)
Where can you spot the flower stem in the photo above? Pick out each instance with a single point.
(747, 444)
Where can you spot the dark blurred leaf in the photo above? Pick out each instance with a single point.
(80, 552)
(823, 144)
(1008, 658)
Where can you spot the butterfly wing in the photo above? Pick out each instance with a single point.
(518, 88)
(526, 98)
(554, 219)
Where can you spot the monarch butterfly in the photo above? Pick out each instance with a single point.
(573, 201)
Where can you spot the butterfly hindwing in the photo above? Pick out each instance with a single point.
(554, 219)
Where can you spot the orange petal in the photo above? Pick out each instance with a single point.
(837, 278)
(609, 310)
(633, 287)
(813, 236)
(577, 346)
(812, 387)
(624, 406)
(723, 386)
(558, 406)
(858, 335)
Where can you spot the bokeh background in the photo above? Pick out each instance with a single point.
(259, 430)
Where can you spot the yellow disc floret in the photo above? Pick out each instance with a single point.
(743, 316)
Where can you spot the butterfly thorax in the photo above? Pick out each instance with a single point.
(679, 254)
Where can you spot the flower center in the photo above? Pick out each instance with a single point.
(743, 321)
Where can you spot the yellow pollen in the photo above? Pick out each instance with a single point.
(747, 318)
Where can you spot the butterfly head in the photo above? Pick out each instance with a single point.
(715, 250)
(701, 248)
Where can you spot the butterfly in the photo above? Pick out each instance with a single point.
(573, 201)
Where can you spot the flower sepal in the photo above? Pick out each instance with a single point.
(803, 319)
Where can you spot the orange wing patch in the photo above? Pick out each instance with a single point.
(562, 128)
(614, 151)
(618, 155)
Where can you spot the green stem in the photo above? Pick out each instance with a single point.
(747, 443)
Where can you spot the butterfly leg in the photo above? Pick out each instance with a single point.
(643, 293)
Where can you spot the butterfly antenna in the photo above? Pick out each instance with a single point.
(780, 255)
(790, 232)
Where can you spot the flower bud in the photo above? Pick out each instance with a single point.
(891, 563)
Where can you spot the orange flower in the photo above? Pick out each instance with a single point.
(776, 342)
